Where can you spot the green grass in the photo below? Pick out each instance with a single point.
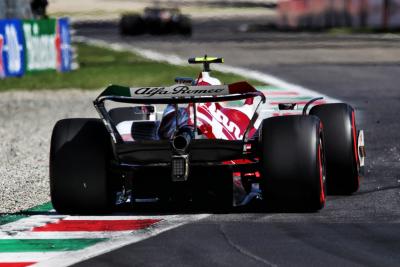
(100, 67)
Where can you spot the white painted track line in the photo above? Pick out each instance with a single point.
(73, 257)
(28, 256)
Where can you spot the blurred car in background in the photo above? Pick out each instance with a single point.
(326, 14)
(156, 20)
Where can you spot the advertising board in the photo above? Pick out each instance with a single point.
(11, 48)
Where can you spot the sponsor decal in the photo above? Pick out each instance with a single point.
(2, 72)
(40, 43)
(58, 47)
(63, 45)
(222, 123)
(11, 48)
(179, 90)
(228, 124)
(34, 45)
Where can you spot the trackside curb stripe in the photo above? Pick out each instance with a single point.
(73, 257)
(43, 245)
(95, 225)
(8, 218)
(35, 257)
(15, 264)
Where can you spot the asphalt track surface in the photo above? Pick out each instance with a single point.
(358, 230)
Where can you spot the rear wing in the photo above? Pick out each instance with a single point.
(175, 94)
(179, 93)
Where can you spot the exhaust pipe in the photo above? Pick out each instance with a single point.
(180, 159)
(181, 142)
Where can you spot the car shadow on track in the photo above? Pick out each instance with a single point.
(146, 210)
(153, 209)
(156, 209)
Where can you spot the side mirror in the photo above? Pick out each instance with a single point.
(145, 109)
(184, 80)
(287, 106)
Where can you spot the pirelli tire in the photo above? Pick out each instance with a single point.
(79, 156)
(131, 24)
(292, 163)
(340, 132)
(185, 26)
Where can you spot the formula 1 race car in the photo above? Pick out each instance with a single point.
(156, 21)
(205, 143)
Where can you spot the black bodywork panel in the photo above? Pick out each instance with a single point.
(160, 151)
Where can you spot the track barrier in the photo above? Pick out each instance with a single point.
(29, 46)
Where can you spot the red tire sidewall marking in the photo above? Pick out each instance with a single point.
(321, 174)
(354, 132)
(353, 126)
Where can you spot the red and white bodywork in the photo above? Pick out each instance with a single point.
(215, 120)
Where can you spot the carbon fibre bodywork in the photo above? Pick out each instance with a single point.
(202, 150)
(230, 149)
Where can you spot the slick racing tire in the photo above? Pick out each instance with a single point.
(292, 163)
(339, 125)
(185, 26)
(127, 114)
(131, 25)
(79, 154)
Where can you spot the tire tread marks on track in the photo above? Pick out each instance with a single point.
(241, 249)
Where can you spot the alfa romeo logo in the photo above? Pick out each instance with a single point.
(178, 90)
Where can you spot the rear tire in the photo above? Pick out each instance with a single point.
(119, 115)
(79, 155)
(185, 26)
(131, 25)
(338, 121)
(292, 163)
